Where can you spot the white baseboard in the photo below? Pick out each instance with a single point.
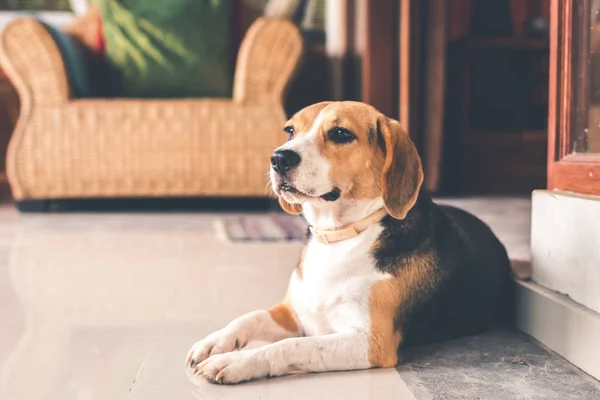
(565, 254)
(566, 327)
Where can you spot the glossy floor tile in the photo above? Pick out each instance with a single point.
(105, 306)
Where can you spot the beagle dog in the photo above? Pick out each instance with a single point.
(382, 267)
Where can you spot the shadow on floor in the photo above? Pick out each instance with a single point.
(158, 204)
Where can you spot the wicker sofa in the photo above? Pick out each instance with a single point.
(67, 148)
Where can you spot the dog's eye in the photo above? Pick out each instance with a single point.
(340, 135)
(290, 131)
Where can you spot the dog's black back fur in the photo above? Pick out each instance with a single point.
(472, 287)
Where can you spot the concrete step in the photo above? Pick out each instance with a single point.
(501, 364)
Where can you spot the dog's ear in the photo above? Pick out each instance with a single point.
(402, 172)
(289, 208)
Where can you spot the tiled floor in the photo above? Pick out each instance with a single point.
(105, 306)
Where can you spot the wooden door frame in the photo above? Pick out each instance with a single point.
(379, 69)
(392, 59)
(410, 66)
(576, 172)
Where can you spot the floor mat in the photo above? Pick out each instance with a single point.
(261, 228)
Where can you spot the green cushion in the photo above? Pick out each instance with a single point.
(168, 48)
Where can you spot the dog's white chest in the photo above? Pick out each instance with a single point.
(332, 294)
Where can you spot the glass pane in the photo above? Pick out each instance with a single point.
(585, 133)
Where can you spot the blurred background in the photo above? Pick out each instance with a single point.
(468, 78)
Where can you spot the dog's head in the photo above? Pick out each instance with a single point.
(346, 150)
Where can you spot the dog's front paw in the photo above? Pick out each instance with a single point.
(222, 341)
(235, 367)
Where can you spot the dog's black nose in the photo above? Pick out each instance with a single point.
(284, 160)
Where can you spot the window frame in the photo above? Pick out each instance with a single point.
(567, 170)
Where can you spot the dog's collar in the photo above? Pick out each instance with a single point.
(328, 236)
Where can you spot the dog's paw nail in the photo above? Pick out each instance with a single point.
(216, 380)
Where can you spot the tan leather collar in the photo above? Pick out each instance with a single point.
(328, 236)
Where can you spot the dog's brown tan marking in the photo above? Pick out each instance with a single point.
(293, 209)
(384, 338)
(389, 301)
(283, 316)
(402, 171)
(354, 167)
(304, 119)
